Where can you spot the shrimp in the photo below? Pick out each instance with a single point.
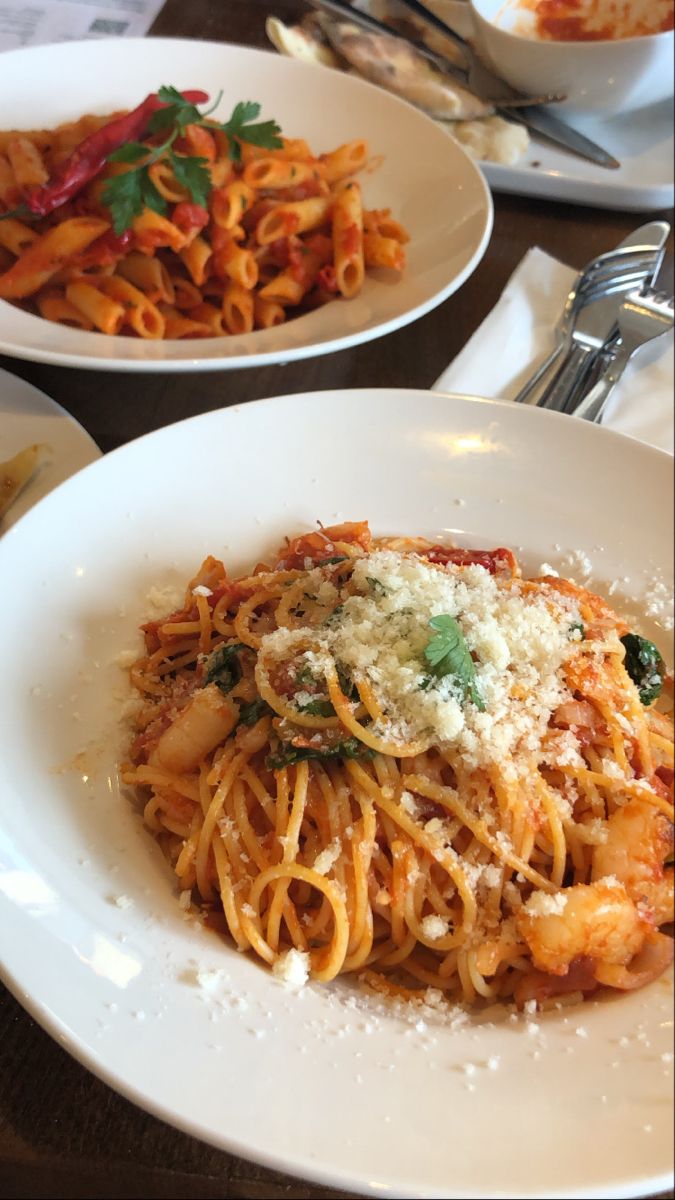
(206, 720)
(639, 839)
(597, 920)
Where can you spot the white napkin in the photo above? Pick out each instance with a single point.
(519, 333)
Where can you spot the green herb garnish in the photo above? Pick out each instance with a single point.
(288, 754)
(128, 194)
(448, 654)
(317, 708)
(645, 666)
(376, 586)
(578, 625)
(250, 714)
(223, 667)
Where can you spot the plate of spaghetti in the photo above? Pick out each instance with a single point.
(159, 219)
(355, 794)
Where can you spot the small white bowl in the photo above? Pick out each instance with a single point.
(599, 78)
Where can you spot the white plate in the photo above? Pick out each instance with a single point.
(351, 1097)
(643, 143)
(430, 184)
(27, 416)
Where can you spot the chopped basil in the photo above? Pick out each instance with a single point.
(376, 586)
(645, 666)
(317, 708)
(250, 714)
(288, 754)
(223, 667)
(578, 625)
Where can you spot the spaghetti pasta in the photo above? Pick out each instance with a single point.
(405, 760)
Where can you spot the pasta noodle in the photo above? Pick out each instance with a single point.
(283, 224)
(407, 761)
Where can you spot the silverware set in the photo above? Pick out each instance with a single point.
(612, 310)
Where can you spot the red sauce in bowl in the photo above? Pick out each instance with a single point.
(577, 21)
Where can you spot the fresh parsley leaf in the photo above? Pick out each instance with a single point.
(645, 666)
(123, 195)
(151, 197)
(448, 654)
(577, 627)
(171, 95)
(238, 129)
(224, 668)
(130, 152)
(326, 562)
(192, 173)
(127, 195)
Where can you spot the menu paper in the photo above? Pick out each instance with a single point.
(71, 20)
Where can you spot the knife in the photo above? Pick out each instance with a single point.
(537, 119)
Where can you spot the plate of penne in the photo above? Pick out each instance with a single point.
(156, 217)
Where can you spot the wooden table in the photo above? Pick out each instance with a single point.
(62, 1132)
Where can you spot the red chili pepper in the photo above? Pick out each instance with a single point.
(90, 156)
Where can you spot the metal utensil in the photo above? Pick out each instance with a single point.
(537, 119)
(643, 316)
(636, 260)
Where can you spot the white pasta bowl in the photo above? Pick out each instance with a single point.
(425, 178)
(323, 1083)
(598, 78)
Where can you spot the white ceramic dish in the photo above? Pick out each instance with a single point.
(432, 187)
(600, 78)
(27, 416)
(92, 941)
(643, 143)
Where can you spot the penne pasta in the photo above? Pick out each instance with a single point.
(383, 252)
(348, 240)
(53, 305)
(237, 309)
(47, 254)
(100, 310)
(26, 162)
(183, 230)
(345, 161)
(149, 275)
(140, 314)
(295, 217)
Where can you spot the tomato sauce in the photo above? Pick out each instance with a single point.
(586, 21)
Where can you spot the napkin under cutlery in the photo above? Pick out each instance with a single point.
(520, 331)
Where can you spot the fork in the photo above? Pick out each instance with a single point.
(642, 317)
(634, 261)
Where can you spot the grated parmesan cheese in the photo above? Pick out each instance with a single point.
(519, 642)
(434, 927)
(291, 968)
(541, 904)
(325, 860)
